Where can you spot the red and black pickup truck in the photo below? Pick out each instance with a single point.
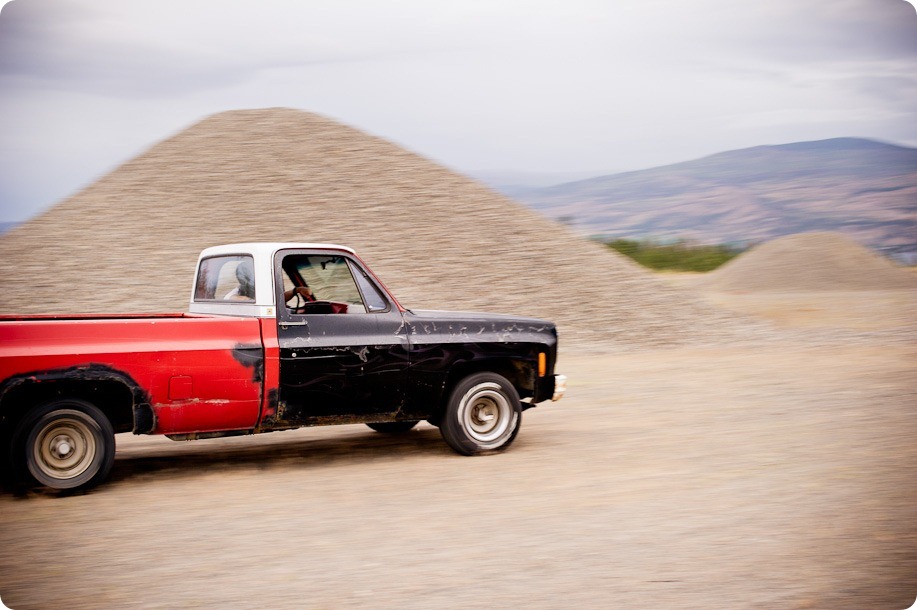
(278, 336)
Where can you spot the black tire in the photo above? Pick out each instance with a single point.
(393, 427)
(64, 445)
(6, 472)
(483, 414)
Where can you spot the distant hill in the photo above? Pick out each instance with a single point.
(862, 188)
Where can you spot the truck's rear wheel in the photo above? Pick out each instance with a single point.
(5, 453)
(483, 414)
(65, 445)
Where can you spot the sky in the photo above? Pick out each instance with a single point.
(567, 87)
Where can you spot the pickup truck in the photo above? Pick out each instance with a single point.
(278, 336)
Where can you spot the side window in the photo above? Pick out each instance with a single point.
(226, 278)
(330, 281)
(374, 300)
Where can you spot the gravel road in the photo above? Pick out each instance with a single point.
(777, 476)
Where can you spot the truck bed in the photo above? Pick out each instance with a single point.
(191, 373)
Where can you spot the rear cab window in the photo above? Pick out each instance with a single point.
(225, 278)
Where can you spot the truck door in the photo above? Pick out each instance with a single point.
(343, 345)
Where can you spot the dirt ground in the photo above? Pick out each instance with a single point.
(778, 475)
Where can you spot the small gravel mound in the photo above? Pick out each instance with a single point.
(818, 261)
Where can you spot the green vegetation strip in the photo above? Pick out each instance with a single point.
(679, 256)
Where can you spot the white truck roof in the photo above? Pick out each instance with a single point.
(262, 248)
(263, 255)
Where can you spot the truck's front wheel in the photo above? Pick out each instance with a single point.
(65, 445)
(483, 414)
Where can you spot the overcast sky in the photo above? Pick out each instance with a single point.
(542, 86)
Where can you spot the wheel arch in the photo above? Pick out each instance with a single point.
(114, 393)
(519, 372)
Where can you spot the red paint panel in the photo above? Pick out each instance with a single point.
(180, 388)
(151, 350)
(271, 367)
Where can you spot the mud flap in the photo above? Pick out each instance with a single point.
(144, 419)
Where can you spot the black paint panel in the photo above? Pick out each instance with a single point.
(351, 366)
(342, 364)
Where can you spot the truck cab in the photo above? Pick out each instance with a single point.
(335, 336)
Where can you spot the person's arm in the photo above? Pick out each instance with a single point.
(303, 291)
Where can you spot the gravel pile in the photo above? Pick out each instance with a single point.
(438, 239)
(803, 262)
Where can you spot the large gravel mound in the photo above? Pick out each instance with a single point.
(809, 262)
(129, 242)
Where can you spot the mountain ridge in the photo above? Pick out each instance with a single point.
(864, 188)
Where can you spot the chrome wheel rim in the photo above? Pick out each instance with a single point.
(486, 414)
(64, 449)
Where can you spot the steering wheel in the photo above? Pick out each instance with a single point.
(302, 303)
